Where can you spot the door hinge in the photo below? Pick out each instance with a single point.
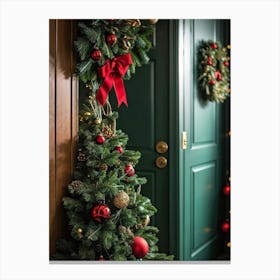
(184, 140)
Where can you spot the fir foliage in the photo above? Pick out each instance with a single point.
(101, 168)
(132, 36)
(112, 238)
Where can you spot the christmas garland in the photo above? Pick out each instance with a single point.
(109, 51)
(214, 72)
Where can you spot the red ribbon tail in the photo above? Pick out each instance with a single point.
(104, 89)
(120, 91)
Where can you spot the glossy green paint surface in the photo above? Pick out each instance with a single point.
(201, 172)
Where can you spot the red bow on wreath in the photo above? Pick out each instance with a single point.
(112, 72)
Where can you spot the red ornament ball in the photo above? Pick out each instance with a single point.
(226, 190)
(225, 227)
(101, 258)
(218, 75)
(129, 170)
(212, 82)
(111, 39)
(214, 46)
(100, 213)
(119, 149)
(96, 54)
(226, 63)
(140, 247)
(100, 139)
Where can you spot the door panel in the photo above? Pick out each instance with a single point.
(201, 179)
(203, 197)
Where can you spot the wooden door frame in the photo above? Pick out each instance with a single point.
(63, 121)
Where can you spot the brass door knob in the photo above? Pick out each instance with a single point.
(161, 147)
(161, 162)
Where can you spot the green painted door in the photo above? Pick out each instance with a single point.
(202, 163)
(146, 121)
(163, 102)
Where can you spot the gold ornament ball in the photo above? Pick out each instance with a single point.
(153, 21)
(97, 121)
(228, 244)
(228, 46)
(80, 230)
(87, 113)
(121, 200)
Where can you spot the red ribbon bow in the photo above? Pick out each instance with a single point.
(112, 72)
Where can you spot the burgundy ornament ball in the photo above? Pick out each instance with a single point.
(96, 54)
(226, 63)
(214, 46)
(119, 149)
(111, 39)
(100, 213)
(218, 75)
(100, 139)
(129, 170)
(140, 247)
(212, 82)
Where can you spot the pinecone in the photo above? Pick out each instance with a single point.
(103, 167)
(107, 131)
(76, 184)
(81, 157)
(122, 229)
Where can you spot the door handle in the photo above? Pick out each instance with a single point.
(161, 162)
(161, 147)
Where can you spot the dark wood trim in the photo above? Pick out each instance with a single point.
(63, 121)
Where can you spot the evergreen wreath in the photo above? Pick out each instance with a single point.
(214, 71)
(101, 43)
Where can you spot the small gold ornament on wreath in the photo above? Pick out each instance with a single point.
(121, 200)
(214, 72)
